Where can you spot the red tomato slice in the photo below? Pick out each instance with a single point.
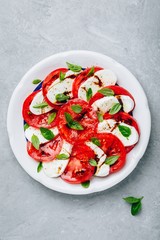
(83, 76)
(111, 145)
(117, 90)
(47, 151)
(87, 118)
(33, 120)
(78, 169)
(126, 118)
(47, 83)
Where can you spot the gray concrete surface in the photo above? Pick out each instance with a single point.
(128, 31)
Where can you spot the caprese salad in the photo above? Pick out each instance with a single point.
(78, 124)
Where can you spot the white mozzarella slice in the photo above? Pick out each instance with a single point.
(38, 99)
(100, 79)
(106, 76)
(31, 130)
(132, 139)
(104, 104)
(106, 126)
(103, 170)
(58, 87)
(69, 73)
(56, 167)
(109, 126)
(128, 103)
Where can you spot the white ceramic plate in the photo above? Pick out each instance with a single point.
(25, 87)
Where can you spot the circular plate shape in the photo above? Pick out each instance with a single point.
(40, 71)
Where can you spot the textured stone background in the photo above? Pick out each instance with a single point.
(128, 31)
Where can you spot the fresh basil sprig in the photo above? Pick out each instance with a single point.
(136, 204)
(91, 71)
(62, 156)
(95, 141)
(125, 131)
(62, 76)
(36, 81)
(86, 184)
(100, 117)
(73, 67)
(106, 92)
(51, 117)
(40, 166)
(41, 105)
(61, 97)
(111, 160)
(76, 108)
(26, 126)
(35, 141)
(72, 123)
(46, 133)
(115, 108)
(89, 94)
(93, 162)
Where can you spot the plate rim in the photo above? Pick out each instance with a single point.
(87, 191)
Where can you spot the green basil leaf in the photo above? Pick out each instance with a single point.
(135, 208)
(111, 160)
(76, 108)
(46, 133)
(71, 123)
(61, 97)
(100, 117)
(89, 94)
(96, 141)
(125, 131)
(85, 184)
(93, 162)
(40, 166)
(36, 81)
(74, 68)
(51, 117)
(26, 126)
(41, 105)
(35, 141)
(62, 156)
(115, 108)
(131, 199)
(106, 92)
(91, 71)
(62, 76)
